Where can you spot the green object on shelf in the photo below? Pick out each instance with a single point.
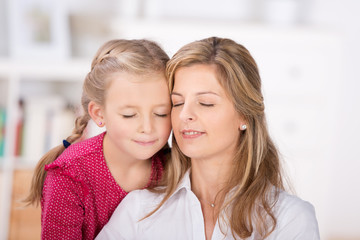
(2, 131)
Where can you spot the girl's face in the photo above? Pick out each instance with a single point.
(204, 120)
(137, 115)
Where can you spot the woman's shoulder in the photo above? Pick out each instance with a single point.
(129, 213)
(295, 216)
(142, 199)
(135, 206)
(288, 203)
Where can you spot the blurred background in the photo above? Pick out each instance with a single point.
(307, 52)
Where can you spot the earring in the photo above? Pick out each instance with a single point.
(243, 127)
(100, 124)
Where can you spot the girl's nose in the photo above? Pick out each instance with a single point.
(146, 125)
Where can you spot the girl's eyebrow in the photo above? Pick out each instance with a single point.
(198, 93)
(127, 106)
(136, 107)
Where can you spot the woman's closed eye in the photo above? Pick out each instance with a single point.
(207, 104)
(177, 104)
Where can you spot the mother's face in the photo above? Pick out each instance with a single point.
(204, 120)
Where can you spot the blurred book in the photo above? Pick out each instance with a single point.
(47, 120)
(2, 130)
(19, 129)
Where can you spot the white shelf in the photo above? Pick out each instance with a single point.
(2, 160)
(17, 76)
(70, 70)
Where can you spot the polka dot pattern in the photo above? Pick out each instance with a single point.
(80, 194)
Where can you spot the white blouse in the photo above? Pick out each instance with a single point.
(181, 218)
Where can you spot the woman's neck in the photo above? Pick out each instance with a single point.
(208, 177)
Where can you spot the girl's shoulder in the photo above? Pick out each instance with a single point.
(79, 154)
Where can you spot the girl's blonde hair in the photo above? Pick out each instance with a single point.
(132, 56)
(256, 179)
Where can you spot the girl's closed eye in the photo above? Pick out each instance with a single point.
(128, 115)
(161, 114)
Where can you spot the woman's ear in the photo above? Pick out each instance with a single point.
(96, 113)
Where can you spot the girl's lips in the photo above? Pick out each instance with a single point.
(145, 143)
(189, 134)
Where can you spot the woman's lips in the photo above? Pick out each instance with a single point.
(190, 134)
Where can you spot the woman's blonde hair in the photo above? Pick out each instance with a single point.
(256, 179)
(120, 55)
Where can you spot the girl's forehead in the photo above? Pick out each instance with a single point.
(138, 90)
(137, 77)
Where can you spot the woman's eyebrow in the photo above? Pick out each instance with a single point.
(207, 92)
(175, 93)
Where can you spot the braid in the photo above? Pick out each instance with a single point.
(80, 125)
(107, 50)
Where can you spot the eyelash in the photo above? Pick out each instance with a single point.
(156, 114)
(128, 116)
(177, 104)
(202, 104)
(161, 115)
(207, 105)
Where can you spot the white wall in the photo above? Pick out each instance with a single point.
(344, 182)
(3, 39)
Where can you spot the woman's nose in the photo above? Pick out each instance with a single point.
(187, 113)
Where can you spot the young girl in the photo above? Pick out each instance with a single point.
(126, 91)
(224, 179)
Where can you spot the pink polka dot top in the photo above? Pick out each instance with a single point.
(80, 194)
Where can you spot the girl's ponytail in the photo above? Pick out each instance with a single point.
(38, 178)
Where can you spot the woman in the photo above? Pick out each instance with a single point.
(224, 180)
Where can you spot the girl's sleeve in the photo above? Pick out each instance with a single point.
(62, 211)
(297, 221)
(124, 223)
